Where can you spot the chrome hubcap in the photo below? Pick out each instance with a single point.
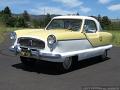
(104, 55)
(67, 63)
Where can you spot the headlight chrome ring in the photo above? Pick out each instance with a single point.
(13, 36)
(51, 40)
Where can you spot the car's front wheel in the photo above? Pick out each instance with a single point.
(27, 61)
(67, 64)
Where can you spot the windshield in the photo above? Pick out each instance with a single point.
(70, 24)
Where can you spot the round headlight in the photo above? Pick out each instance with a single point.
(13, 35)
(51, 39)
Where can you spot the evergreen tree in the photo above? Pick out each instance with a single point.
(106, 22)
(99, 18)
(12, 21)
(35, 23)
(20, 22)
(77, 14)
(7, 11)
(47, 19)
(6, 15)
(26, 16)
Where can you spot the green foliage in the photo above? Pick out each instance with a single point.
(77, 14)
(7, 11)
(115, 26)
(116, 37)
(104, 21)
(35, 23)
(25, 20)
(14, 21)
(47, 19)
(20, 22)
(26, 16)
(5, 16)
(41, 23)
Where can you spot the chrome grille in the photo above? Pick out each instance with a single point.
(31, 42)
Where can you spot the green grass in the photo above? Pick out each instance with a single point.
(3, 31)
(116, 37)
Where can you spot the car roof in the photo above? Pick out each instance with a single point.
(74, 17)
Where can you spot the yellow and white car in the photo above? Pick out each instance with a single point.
(65, 39)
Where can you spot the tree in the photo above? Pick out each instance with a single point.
(7, 11)
(35, 23)
(77, 14)
(99, 18)
(47, 19)
(6, 15)
(26, 16)
(12, 22)
(20, 22)
(105, 22)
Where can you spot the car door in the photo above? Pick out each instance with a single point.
(91, 32)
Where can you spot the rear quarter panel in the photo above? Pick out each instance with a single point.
(106, 38)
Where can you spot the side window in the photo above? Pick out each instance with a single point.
(90, 26)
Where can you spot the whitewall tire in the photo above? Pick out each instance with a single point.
(67, 64)
(104, 55)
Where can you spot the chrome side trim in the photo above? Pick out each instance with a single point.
(85, 51)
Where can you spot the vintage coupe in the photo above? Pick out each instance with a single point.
(65, 39)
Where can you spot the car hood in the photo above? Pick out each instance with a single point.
(60, 34)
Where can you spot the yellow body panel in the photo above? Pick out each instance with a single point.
(43, 34)
(99, 38)
(106, 38)
(96, 39)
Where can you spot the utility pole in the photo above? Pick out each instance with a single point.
(44, 17)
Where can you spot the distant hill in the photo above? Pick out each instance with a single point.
(115, 20)
(37, 17)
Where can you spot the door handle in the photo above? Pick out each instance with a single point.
(100, 38)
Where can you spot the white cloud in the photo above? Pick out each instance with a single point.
(85, 9)
(50, 10)
(73, 4)
(70, 3)
(115, 7)
(12, 2)
(104, 1)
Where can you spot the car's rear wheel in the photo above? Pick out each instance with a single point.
(27, 61)
(104, 55)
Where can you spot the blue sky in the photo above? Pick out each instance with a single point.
(110, 8)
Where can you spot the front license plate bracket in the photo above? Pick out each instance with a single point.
(25, 53)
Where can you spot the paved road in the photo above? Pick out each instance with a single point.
(43, 76)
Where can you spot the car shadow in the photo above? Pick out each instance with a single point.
(51, 69)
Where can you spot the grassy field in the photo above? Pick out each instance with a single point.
(116, 37)
(3, 31)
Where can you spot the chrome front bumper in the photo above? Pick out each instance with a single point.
(35, 54)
